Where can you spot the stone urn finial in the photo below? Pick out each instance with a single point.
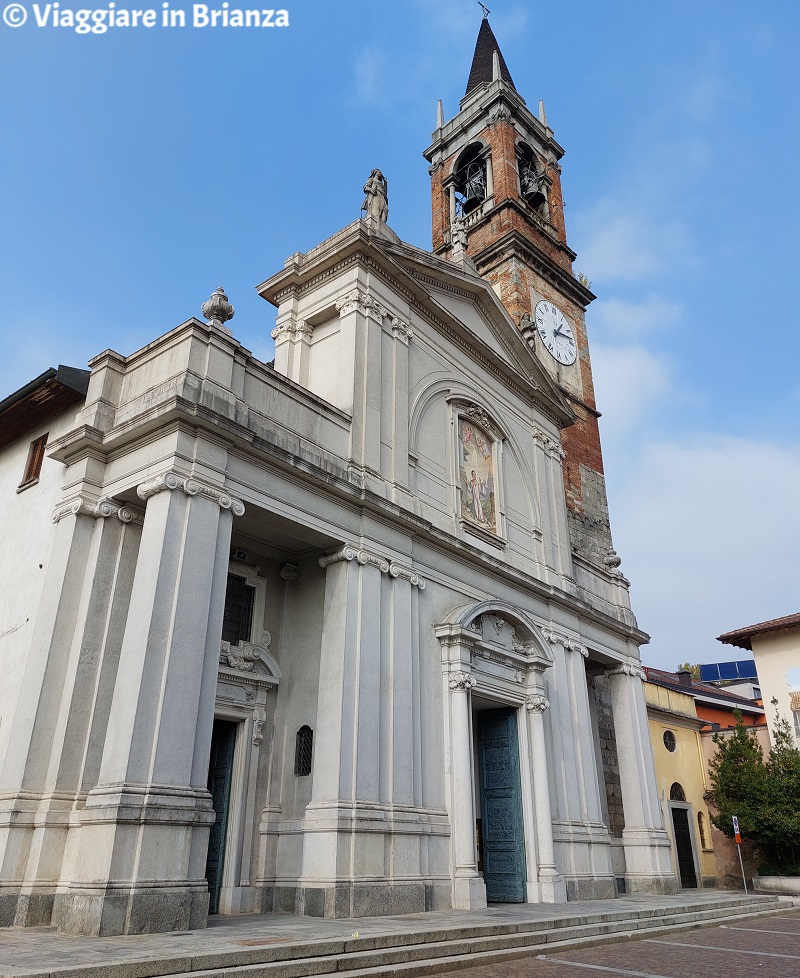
(217, 310)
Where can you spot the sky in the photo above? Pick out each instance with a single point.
(141, 168)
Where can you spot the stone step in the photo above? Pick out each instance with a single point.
(426, 951)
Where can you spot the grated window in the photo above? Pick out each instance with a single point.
(676, 792)
(669, 741)
(238, 619)
(303, 752)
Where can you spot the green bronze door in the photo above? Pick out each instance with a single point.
(220, 773)
(501, 807)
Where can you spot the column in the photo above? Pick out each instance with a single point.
(469, 891)
(552, 888)
(144, 829)
(646, 844)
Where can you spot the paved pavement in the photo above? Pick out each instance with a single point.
(768, 947)
(41, 949)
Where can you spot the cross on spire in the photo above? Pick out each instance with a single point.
(485, 9)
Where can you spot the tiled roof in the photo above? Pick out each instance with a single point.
(481, 71)
(673, 681)
(743, 636)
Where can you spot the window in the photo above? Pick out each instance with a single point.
(701, 828)
(669, 741)
(303, 752)
(676, 792)
(470, 180)
(532, 182)
(237, 622)
(34, 464)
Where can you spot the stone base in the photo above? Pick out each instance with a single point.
(552, 891)
(651, 884)
(26, 906)
(354, 899)
(586, 888)
(137, 909)
(469, 893)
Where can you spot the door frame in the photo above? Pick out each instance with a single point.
(510, 710)
(687, 807)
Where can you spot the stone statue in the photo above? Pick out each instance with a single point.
(376, 201)
(458, 236)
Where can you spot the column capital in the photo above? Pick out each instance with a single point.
(461, 681)
(292, 328)
(85, 506)
(549, 445)
(385, 565)
(363, 301)
(631, 669)
(192, 486)
(537, 704)
(402, 331)
(570, 644)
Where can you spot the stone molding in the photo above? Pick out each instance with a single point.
(192, 487)
(462, 681)
(244, 657)
(628, 669)
(570, 645)
(101, 510)
(364, 557)
(537, 704)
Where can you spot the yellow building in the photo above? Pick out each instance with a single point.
(682, 782)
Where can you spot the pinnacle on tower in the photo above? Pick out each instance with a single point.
(481, 70)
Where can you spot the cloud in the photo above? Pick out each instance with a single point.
(630, 381)
(630, 319)
(709, 532)
(630, 240)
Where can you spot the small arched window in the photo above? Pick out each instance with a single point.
(669, 741)
(304, 749)
(470, 180)
(701, 828)
(676, 792)
(532, 181)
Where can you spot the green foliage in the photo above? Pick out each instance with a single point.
(763, 793)
(694, 669)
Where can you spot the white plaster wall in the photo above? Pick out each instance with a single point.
(27, 538)
(777, 657)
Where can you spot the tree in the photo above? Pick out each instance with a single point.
(694, 669)
(763, 794)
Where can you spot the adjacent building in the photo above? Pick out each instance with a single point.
(775, 645)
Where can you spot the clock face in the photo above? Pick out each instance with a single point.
(556, 332)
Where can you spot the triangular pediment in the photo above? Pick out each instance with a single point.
(465, 299)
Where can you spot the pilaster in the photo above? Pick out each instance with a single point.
(646, 844)
(57, 724)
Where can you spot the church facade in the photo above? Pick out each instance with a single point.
(345, 634)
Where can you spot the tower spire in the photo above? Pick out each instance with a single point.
(485, 48)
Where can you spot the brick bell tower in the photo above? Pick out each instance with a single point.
(496, 194)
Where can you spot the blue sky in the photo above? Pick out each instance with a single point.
(141, 168)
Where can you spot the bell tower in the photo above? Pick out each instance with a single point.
(496, 194)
